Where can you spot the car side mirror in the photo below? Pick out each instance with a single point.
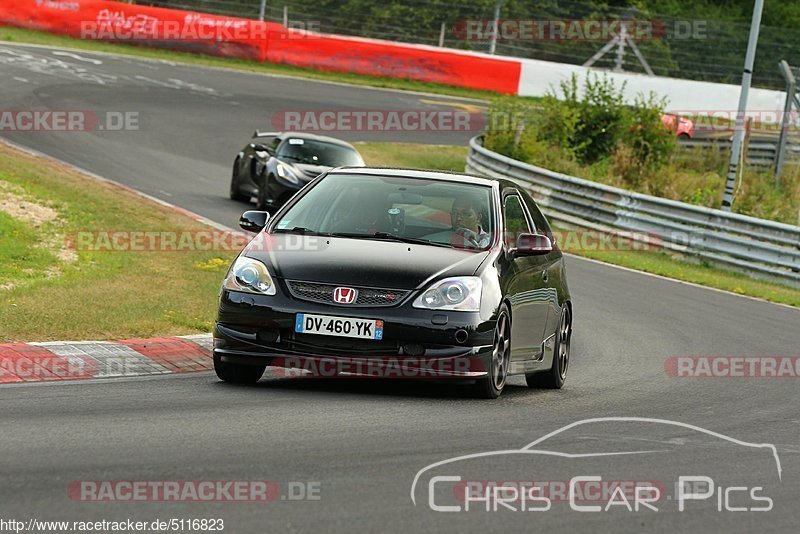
(253, 220)
(532, 245)
(258, 147)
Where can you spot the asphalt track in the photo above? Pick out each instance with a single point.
(363, 441)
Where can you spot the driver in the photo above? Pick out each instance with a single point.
(466, 216)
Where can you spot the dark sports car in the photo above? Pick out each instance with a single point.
(274, 166)
(450, 274)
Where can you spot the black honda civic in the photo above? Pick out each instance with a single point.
(399, 273)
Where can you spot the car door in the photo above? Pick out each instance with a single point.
(527, 289)
(553, 263)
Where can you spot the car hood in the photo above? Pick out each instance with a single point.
(359, 262)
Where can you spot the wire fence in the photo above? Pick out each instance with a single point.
(550, 30)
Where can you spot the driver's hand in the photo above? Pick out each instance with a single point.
(469, 236)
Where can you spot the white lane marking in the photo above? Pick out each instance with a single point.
(76, 56)
(175, 83)
(51, 66)
(23, 80)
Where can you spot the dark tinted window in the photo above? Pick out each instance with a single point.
(515, 221)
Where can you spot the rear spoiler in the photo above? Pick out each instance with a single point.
(259, 133)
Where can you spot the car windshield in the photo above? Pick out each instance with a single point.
(314, 152)
(414, 210)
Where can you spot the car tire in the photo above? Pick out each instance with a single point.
(234, 192)
(554, 377)
(491, 386)
(237, 374)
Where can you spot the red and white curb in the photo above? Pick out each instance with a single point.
(80, 360)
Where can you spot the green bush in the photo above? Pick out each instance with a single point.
(602, 116)
(651, 142)
(587, 124)
(591, 133)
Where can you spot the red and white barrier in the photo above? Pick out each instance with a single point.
(263, 41)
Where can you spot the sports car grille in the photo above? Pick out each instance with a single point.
(367, 296)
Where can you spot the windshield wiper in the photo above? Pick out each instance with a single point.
(299, 230)
(386, 236)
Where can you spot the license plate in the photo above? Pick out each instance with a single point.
(328, 325)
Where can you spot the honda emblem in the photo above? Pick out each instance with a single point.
(345, 295)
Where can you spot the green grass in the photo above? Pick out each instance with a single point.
(21, 259)
(43, 38)
(452, 158)
(410, 155)
(101, 294)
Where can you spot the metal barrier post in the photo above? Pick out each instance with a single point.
(791, 89)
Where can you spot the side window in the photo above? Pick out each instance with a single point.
(515, 220)
(275, 142)
(538, 218)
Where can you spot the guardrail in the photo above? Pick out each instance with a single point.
(758, 247)
(760, 153)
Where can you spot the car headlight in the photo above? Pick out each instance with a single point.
(462, 293)
(286, 172)
(250, 276)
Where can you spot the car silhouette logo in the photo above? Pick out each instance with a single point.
(345, 295)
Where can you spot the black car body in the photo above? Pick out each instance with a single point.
(274, 166)
(513, 313)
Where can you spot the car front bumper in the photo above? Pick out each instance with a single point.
(259, 330)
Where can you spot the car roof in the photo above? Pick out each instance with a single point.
(418, 173)
(314, 137)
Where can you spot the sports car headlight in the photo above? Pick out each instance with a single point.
(250, 276)
(286, 172)
(462, 293)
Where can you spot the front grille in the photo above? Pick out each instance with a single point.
(367, 296)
